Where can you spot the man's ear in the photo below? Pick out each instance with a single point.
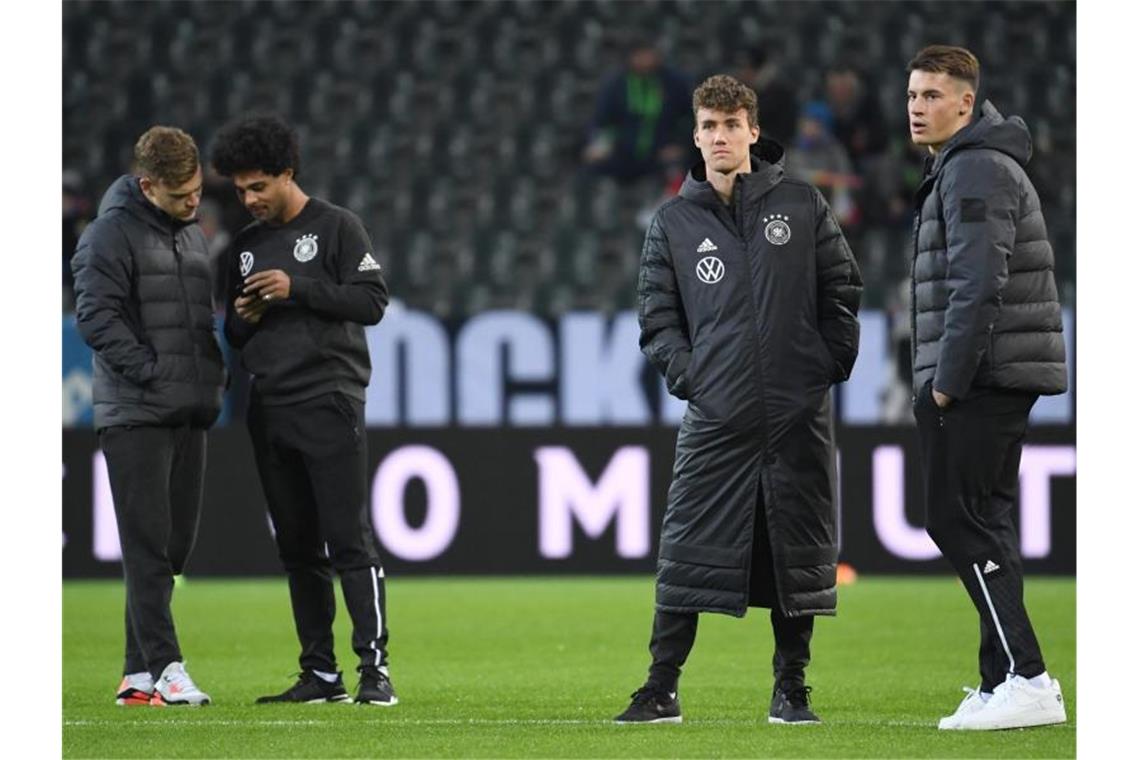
(755, 134)
(967, 102)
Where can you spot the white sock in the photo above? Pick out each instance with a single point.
(1042, 681)
(326, 677)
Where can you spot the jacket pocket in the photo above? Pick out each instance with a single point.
(829, 366)
(678, 374)
(347, 411)
(127, 391)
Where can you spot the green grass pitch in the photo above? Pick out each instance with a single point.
(536, 667)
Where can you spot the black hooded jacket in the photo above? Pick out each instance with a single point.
(749, 311)
(984, 306)
(143, 304)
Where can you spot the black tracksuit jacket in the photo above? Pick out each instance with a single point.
(313, 342)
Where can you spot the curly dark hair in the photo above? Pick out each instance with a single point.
(728, 95)
(256, 143)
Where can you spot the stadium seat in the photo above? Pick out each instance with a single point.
(466, 119)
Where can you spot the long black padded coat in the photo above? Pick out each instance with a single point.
(749, 311)
(143, 303)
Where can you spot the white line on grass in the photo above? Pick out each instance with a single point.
(472, 722)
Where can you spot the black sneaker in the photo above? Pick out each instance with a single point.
(791, 706)
(651, 704)
(375, 688)
(309, 689)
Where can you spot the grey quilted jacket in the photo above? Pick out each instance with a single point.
(984, 308)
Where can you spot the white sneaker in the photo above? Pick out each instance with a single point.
(175, 687)
(970, 704)
(1018, 704)
(135, 689)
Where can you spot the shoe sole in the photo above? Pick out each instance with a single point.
(158, 701)
(377, 702)
(674, 719)
(1008, 726)
(317, 701)
(783, 722)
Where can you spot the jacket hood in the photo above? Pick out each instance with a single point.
(767, 172)
(994, 131)
(125, 193)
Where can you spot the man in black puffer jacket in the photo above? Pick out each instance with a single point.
(747, 297)
(986, 341)
(143, 304)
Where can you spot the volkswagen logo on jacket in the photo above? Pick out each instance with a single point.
(710, 269)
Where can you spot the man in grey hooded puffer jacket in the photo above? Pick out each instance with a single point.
(986, 342)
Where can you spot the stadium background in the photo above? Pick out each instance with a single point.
(457, 131)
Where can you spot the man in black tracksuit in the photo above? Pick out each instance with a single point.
(142, 283)
(747, 300)
(303, 283)
(986, 341)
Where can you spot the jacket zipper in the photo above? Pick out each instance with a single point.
(914, 295)
(739, 224)
(195, 348)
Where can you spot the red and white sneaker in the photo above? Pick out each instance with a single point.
(135, 690)
(175, 687)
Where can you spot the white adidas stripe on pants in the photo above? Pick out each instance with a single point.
(993, 614)
(376, 606)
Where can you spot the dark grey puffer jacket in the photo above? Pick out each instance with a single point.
(749, 311)
(143, 304)
(984, 307)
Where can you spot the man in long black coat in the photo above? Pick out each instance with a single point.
(747, 295)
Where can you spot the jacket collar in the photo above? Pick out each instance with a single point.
(767, 172)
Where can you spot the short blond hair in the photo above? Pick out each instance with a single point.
(166, 154)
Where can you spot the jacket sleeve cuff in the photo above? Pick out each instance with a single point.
(952, 387)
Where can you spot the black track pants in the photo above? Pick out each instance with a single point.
(971, 453)
(312, 459)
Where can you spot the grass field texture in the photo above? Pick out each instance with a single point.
(537, 667)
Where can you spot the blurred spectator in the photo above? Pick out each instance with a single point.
(859, 122)
(884, 206)
(819, 158)
(643, 120)
(76, 215)
(759, 68)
